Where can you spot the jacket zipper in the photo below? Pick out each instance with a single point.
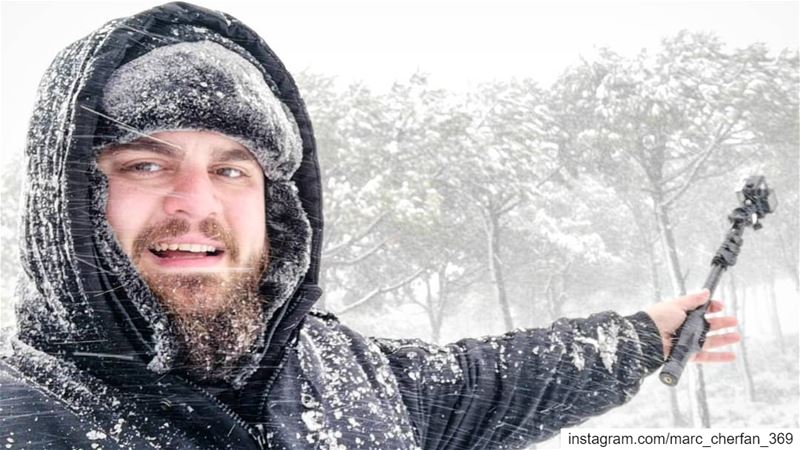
(256, 434)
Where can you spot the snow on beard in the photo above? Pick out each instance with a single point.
(218, 316)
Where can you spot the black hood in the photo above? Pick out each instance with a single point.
(80, 295)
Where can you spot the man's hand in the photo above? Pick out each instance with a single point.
(669, 315)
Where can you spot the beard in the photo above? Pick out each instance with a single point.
(218, 317)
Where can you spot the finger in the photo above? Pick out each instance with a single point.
(721, 340)
(718, 323)
(715, 306)
(692, 301)
(712, 357)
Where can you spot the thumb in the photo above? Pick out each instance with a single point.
(695, 299)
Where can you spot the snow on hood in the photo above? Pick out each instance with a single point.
(79, 294)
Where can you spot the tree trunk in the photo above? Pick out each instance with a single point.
(699, 403)
(496, 268)
(775, 315)
(444, 287)
(552, 305)
(431, 310)
(554, 291)
(700, 413)
(743, 361)
(789, 260)
(678, 421)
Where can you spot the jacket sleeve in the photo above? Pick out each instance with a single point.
(524, 386)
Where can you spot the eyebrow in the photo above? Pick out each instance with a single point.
(232, 155)
(152, 145)
(171, 150)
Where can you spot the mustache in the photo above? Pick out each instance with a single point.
(174, 227)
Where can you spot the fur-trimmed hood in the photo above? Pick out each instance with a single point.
(80, 296)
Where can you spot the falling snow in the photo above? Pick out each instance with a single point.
(311, 381)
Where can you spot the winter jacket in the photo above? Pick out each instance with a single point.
(93, 363)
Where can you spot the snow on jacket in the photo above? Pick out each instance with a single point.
(92, 363)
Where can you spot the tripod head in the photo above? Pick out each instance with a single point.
(757, 201)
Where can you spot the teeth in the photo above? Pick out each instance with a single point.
(193, 248)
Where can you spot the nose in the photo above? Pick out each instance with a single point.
(192, 195)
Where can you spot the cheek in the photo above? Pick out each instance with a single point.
(247, 216)
(127, 211)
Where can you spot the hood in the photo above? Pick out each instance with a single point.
(80, 297)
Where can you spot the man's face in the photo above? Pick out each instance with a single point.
(188, 208)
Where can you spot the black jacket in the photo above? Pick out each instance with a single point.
(93, 364)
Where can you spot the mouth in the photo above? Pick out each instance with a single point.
(186, 254)
(184, 250)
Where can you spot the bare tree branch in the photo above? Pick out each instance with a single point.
(713, 145)
(349, 262)
(460, 284)
(509, 207)
(337, 248)
(381, 290)
(678, 172)
(550, 176)
(419, 303)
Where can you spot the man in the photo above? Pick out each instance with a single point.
(172, 233)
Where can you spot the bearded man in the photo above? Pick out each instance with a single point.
(171, 245)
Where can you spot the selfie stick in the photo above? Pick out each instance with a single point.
(689, 338)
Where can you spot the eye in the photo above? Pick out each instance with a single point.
(143, 167)
(230, 172)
